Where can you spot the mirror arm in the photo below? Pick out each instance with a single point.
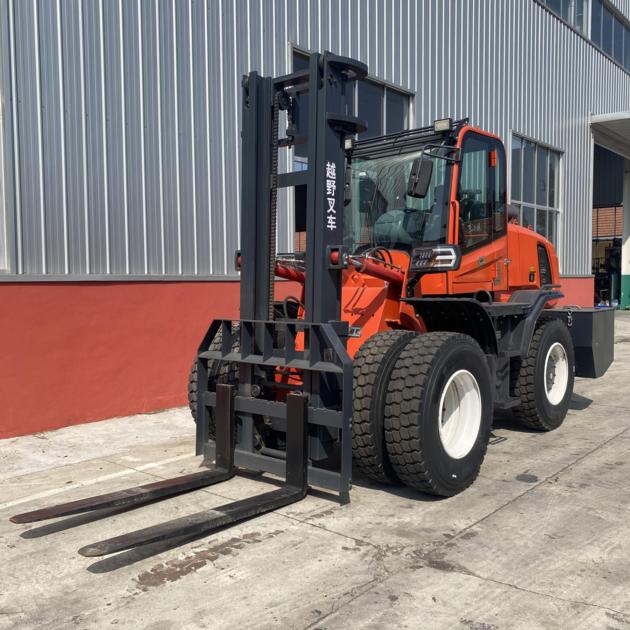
(457, 151)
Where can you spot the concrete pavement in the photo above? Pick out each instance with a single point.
(539, 541)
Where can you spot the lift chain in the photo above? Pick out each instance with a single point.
(273, 200)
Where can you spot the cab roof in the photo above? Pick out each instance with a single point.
(406, 141)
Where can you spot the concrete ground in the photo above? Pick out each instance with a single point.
(539, 541)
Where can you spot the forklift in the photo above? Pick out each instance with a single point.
(417, 310)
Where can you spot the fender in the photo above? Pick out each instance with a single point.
(464, 315)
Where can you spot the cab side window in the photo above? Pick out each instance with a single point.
(481, 191)
(544, 266)
(499, 192)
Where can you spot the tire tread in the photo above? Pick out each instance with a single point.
(218, 372)
(367, 370)
(404, 399)
(525, 383)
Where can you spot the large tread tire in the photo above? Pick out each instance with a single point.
(536, 410)
(218, 372)
(412, 431)
(372, 367)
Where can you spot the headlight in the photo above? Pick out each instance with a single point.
(436, 258)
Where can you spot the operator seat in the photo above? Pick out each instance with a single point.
(471, 210)
(396, 228)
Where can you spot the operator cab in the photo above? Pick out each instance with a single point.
(459, 208)
(382, 212)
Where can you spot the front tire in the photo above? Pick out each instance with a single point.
(546, 377)
(372, 367)
(439, 413)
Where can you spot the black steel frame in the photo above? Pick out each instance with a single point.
(316, 345)
(324, 364)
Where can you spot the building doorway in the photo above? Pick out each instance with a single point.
(606, 254)
(607, 226)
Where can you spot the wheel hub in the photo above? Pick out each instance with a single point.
(556, 373)
(460, 414)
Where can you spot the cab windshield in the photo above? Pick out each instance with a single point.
(381, 214)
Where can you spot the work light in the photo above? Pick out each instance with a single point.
(442, 124)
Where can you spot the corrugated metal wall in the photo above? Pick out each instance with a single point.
(623, 6)
(121, 117)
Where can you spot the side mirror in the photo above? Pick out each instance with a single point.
(420, 177)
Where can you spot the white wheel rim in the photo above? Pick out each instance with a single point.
(556, 373)
(460, 414)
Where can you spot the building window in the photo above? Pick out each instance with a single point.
(536, 186)
(573, 12)
(384, 107)
(596, 23)
(370, 98)
(609, 30)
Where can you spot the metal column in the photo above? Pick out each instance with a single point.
(625, 243)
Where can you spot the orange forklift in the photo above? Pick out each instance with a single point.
(417, 310)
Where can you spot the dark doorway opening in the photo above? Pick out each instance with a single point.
(607, 225)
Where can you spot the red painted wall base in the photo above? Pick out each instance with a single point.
(77, 352)
(578, 291)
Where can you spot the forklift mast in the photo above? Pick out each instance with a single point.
(327, 88)
(322, 91)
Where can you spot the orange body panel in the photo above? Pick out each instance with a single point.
(500, 267)
(482, 269)
(523, 255)
(370, 305)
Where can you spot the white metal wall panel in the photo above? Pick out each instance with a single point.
(121, 118)
(623, 6)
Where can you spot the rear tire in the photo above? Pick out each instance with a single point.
(545, 380)
(223, 372)
(372, 367)
(218, 372)
(439, 413)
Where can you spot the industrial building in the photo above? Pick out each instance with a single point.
(119, 162)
